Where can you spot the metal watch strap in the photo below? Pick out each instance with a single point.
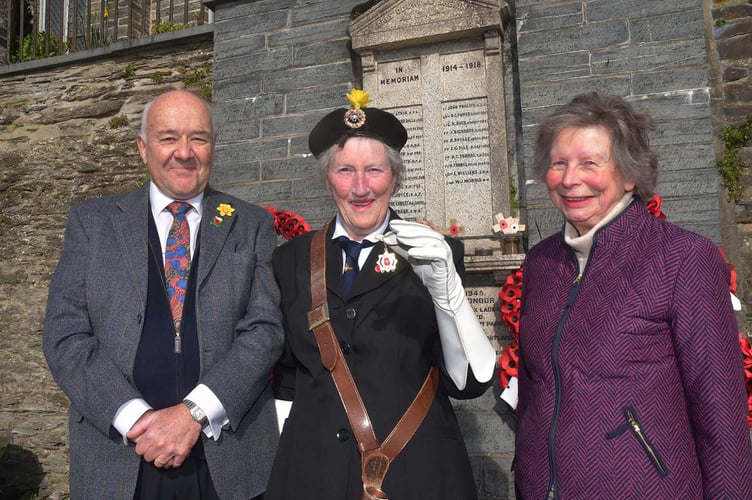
(197, 414)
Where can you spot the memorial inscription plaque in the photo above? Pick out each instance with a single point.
(410, 200)
(485, 302)
(455, 135)
(443, 79)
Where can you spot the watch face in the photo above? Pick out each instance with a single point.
(197, 414)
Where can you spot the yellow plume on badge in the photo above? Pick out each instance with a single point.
(358, 98)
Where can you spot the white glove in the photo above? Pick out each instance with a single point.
(431, 259)
(463, 340)
(736, 303)
(510, 394)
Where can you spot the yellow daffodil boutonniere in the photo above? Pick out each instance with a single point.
(225, 210)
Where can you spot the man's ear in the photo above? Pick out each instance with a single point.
(141, 147)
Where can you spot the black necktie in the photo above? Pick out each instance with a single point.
(352, 251)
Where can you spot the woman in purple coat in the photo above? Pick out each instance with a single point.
(631, 377)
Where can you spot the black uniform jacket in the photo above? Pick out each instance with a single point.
(388, 334)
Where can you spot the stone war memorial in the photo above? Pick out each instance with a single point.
(470, 79)
(444, 81)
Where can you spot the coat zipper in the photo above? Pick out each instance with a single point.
(635, 425)
(574, 289)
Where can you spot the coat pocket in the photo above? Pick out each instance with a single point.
(632, 423)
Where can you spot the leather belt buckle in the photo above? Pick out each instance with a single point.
(375, 465)
(318, 316)
(373, 493)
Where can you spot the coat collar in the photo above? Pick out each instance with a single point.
(131, 235)
(624, 225)
(621, 228)
(213, 233)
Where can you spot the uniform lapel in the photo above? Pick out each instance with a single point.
(334, 264)
(370, 278)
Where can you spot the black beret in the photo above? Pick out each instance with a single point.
(341, 124)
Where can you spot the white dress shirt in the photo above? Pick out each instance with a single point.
(130, 411)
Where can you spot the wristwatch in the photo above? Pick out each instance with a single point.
(197, 414)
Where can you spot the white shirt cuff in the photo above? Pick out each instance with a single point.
(510, 394)
(210, 404)
(283, 411)
(128, 414)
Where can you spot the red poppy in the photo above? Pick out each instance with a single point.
(288, 224)
(508, 362)
(654, 206)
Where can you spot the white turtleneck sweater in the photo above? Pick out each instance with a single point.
(582, 244)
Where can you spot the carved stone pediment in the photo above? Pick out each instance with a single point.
(392, 23)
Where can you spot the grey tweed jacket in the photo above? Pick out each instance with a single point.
(94, 320)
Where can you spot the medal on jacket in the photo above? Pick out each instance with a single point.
(387, 262)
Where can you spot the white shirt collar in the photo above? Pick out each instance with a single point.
(159, 200)
(339, 229)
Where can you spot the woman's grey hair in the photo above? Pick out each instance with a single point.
(628, 128)
(396, 163)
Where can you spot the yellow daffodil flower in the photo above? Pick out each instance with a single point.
(358, 98)
(225, 209)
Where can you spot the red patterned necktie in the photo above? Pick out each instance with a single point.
(178, 262)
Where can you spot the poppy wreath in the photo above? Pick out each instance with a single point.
(511, 294)
(288, 224)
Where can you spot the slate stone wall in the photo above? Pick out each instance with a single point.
(276, 66)
(67, 133)
(280, 65)
(653, 54)
(731, 84)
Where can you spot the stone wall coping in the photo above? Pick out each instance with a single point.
(120, 47)
(213, 4)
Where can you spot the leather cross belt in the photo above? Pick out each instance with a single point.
(375, 457)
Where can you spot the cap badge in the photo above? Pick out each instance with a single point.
(356, 117)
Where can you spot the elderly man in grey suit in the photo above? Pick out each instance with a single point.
(163, 325)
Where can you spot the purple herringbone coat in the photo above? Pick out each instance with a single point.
(631, 378)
